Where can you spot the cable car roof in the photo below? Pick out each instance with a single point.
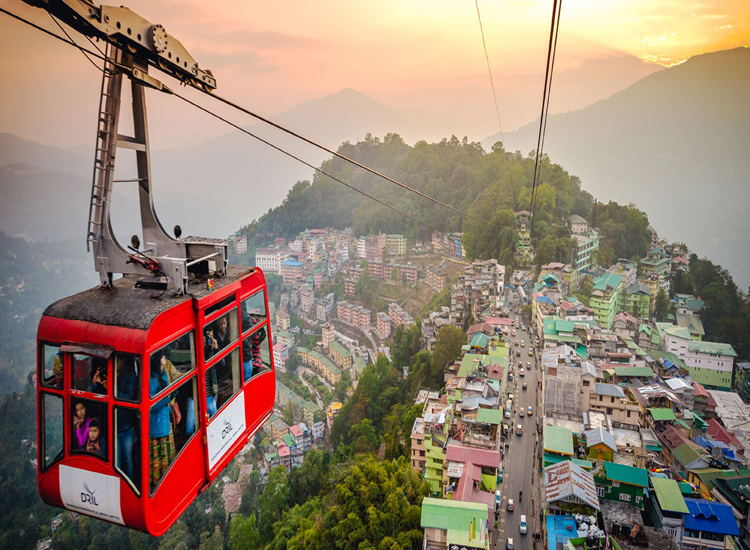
(125, 305)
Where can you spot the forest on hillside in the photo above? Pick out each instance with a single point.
(490, 186)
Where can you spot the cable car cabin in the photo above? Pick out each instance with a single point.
(144, 398)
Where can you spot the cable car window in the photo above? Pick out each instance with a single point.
(52, 436)
(177, 357)
(223, 381)
(256, 353)
(210, 310)
(89, 373)
(172, 422)
(218, 334)
(52, 366)
(253, 311)
(127, 444)
(128, 378)
(89, 429)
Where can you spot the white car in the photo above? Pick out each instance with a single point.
(524, 528)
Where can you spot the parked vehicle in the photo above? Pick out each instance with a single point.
(524, 527)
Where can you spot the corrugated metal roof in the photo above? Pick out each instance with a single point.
(565, 479)
(600, 435)
(660, 414)
(558, 440)
(669, 495)
(480, 457)
(626, 474)
(610, 390)
(710, 517)
(490, 416)
(451, 514)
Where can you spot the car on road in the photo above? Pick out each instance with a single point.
(524, 386)
(523, 526)
(509, 544)
(498, 500)
(516, 343)
(510, 377)
(519, 429)
(531, 352)
(511, 505)
(521, 372)
(518, 353)
(528, 364)
(521, 413)
(522, 344)
(529, 412)
(510, 396)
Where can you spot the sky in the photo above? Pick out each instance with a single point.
(415, 55)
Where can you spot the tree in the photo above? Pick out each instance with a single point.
(341, 389)
(273, 502)
(292, 413)
(661, 305)
(243, 534)
(363, 437)
(447, 349)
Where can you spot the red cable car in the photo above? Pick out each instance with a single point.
(150, 384)
(143, 402)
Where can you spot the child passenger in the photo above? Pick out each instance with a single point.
(95, 443)
(81, 423)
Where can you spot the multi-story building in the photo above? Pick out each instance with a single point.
(627, 269)
(657, 262)
(362, 247)
(292, 271)
(340, 355)
(318, 430)
(354, 315)
(321, 363)
(332, 412)
(437, 242)
(324, 306)
(435, 278)
(396, 245)
(376, 268)
(636, 300)
(398, 316)
(270, 259)
(605, 298)
(383, 325)
(297, 246)
(307, 299)
(349, 286)
(328, 335)
(585, 254)
(280, 355)
(613, 401)
(710, 364)
(283, 320)
(240, 244)
(523, 233)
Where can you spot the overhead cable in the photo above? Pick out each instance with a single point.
(494, 95)
(551, 48)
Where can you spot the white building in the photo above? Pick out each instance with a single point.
(240, 244)
(280, 355)
(361, 247)
(269, 259)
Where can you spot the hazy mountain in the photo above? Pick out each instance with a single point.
(675, 143)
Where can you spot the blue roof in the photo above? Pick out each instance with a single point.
(710, 517)
(545, 300)
(292, 263)
(559, 530)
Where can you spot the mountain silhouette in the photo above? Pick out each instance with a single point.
(675, 144)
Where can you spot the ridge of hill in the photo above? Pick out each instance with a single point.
(674, 143)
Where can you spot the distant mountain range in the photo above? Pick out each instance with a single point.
(676, 144)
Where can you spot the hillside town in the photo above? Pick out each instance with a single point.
(586, 386)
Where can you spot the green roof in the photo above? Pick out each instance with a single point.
(575, 218)
(714, 348)
(636, 372)
(607, 280)
(490, 416)
(440, 513)
(480, 340)
(707, 475)
(562, 325)
(662, 414)
(558, 440)
(626, 474)
(341, 350)
(554, 459)
(685, 454)
(685, 488)
(289, 440)
(669, 356)
(669, 495)
(360, 363)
